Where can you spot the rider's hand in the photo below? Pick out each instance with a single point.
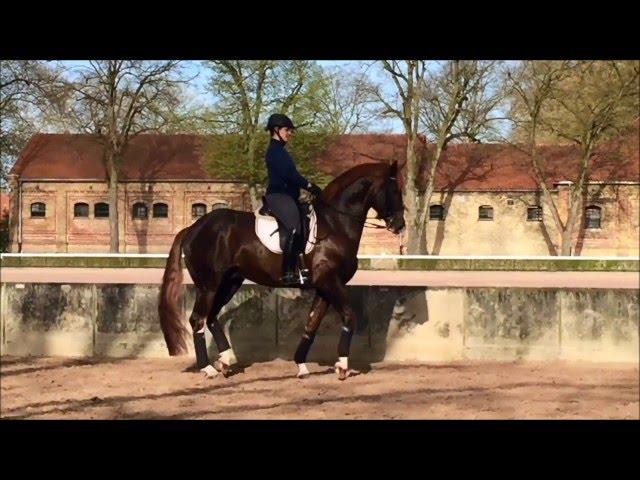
(314, 190)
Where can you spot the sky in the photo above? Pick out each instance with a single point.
(198, 94)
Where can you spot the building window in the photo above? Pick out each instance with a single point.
(534, 214)
(140, 211)
(593, 216)
(101, 210)
(485, 212)
(436, 212)
(160, 210)
(218, 205)
(81, 210)
(38, 209)
(198, 210)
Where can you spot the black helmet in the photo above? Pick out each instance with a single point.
(279, 120)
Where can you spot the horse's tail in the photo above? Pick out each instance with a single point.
(173, 328)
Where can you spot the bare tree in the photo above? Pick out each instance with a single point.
(116, 100)
(347, 105)
(460, 102)
(581, 102)
(448, 102)
(408, 79)
(27, 89)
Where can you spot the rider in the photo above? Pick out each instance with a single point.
(283, 190)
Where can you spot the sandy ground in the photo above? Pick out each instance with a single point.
(66, 388)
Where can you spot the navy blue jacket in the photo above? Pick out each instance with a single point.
(283, 176)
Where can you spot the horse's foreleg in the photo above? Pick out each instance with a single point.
(318, 309)
(339, 298)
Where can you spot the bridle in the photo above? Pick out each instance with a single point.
(388, 216)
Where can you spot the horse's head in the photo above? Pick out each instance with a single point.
(387, 201)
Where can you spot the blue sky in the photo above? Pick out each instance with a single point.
(198, 94)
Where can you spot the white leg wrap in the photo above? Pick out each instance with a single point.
(228, 357)
(343, 362)
(303, 371)
(209, 371)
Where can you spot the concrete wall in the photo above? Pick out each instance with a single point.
(403, 323)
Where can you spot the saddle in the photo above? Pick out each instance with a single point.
(267, 227)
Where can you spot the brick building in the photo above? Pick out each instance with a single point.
(486, 201)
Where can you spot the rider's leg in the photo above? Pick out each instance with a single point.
(286, 210)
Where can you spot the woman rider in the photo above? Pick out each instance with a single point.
(283, 191)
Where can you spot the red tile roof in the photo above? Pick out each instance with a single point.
(481, 167)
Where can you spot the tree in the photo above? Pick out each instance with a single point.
(449, 102)
(222, 157)
(27, 90)
(246, 92)
(408, 79)
(346, 104)
(4, 233)
(116, 100)
(583, 103)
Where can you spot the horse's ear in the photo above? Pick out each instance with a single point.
(393, 171)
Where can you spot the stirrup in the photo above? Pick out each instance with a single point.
(290, 279)
(304, 275)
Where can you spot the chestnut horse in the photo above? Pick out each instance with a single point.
(221, 249)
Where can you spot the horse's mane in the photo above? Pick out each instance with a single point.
(347, 177)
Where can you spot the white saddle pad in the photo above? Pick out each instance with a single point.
(266, 225)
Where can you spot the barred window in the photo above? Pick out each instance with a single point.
(160, 210)
(198, 210)
(38, 209)
(436, 212)
(140, 211)
(101, 210)
(593, 215)
(534, 214)
(485, 212)
(81, 210)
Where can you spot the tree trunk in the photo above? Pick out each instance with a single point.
(423, 211)
(424, 215)
(114, 243)
(575, 201)
(567, 234)
(414, 229)
(253, 196)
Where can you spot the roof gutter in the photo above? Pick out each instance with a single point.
(102, 180)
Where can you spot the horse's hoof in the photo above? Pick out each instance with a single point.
(342, 373)
(225, 370)
(209, 372)
(302, 375)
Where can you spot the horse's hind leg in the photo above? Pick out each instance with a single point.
(227, 289)
(201, 309)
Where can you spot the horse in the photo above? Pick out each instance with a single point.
(221, 250)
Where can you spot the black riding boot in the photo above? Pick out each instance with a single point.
(289, 261)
